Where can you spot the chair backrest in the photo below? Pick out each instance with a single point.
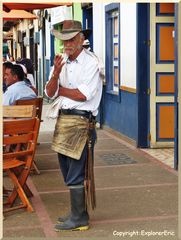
(37, 102)
(22, 133)
(19, 111)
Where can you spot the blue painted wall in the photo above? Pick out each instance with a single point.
(47, 69)
(52, 47)
(39, 77)
(121, 116)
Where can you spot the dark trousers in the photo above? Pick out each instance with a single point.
(73, 170)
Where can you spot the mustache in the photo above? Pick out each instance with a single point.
(72, 48)
(68, 48)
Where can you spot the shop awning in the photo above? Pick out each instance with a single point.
(32, 4)
(18, 14)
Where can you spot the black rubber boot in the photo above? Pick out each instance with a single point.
(79, 217)
(63, 219)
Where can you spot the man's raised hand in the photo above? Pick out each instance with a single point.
(58, 64)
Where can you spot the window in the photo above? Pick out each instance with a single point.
(112, 13)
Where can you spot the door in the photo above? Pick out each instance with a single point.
(162, 81)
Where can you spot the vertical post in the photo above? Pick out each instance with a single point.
(143, 71)
(1, 204)
(179, 115)
(176, 89)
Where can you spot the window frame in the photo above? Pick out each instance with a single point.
(109, 56)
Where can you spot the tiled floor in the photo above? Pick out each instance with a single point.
(165, 155)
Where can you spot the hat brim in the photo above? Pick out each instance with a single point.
(67, 36)
(64, 36)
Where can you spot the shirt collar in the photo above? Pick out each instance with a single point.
(17, 83)
(79, 59)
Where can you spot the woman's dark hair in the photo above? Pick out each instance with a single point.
(28, 64)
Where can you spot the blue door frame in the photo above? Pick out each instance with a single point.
(143, 70)
(176, 89)
(87, 19)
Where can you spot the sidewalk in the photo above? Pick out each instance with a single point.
(136, 194)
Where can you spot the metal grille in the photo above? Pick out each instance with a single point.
(117, 159)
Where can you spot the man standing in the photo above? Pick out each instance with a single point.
(75, 77)
(16, 87)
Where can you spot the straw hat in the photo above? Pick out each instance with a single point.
(70, 28)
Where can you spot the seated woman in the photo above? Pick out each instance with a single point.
(29, 66)
(27, 80)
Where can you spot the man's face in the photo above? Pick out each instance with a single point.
(9, 78)
(73, 45)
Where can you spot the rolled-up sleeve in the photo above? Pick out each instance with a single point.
(91, 81)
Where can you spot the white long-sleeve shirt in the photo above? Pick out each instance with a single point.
(82, 73)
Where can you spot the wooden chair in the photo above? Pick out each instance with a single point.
(15, 132)
(37, 102)
(21, 111)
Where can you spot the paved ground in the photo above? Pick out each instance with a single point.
(136, 195)
(165, 155)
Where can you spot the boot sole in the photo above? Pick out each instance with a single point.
(60, 222)
(81, 228)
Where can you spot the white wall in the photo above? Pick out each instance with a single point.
(60, 14)
(128, 44)
(40, 45)
(127, 39)
(99, 30)
(48, 44)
